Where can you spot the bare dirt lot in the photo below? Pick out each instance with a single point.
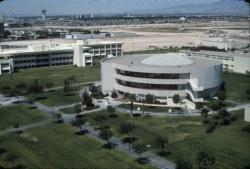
(186, 34)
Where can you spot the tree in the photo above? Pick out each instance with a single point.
(222, 95)
(21, 89)
(205, 160)
(132, 99)
(161, 141)
(176, 99)
(6, 89)
(150, 98)
(35, 87)
(71, 79)
(81, 122)
(139, 148)
(106, 133)
(87, 99)
(58, 117)
(183, 164)
(49, 85)
(17, 128)
(66, 87)
(224, 113)
(204, 112)
(126, 128)
(114, 94)
(110, 109)
(77, 109)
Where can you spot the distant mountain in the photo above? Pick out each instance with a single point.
(220, 7)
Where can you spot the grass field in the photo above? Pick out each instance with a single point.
(11, 115)
(52, 74)
(149, 108)
(56, 146)
(187, 137)
(236, 86)
(58, 98)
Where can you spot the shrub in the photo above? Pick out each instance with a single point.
(211, 127)
(114, 94)
(246, 129)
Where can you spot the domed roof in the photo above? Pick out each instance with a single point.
(169, 59)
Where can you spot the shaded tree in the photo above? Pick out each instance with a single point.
(183, 164)
(176, 99)
(132, 99)
(114, 94)
(49, 85)
(77, 109)
(139, 148)
(111, 109)
(204, 112)
(35, 87)
(17, 128)
(66, 87)
(6, 89)
(222, 95)
(161, 141)
(150, 98)
(205, 160)
(87, 99)
(105, 133)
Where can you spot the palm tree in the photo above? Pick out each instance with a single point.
(127, 128)
(17, 128)
(132, 99)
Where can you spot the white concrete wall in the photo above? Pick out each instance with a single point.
(247, 114)
(107, 77)
(208, 76)
(241, 64)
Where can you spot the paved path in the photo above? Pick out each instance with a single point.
(25, 127)
(73, 85)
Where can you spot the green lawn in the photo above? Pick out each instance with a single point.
(187, 137)
(11, 115)
(148, 108)
(52, 74)
(236, 86)
(56, 146)
(58, 98)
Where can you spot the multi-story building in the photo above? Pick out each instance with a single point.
(222, 43)
(237, 61)
(43, 54)
(1, 26)
(162, 75)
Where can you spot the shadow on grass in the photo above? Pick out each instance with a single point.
(82, 132)
(109, 145)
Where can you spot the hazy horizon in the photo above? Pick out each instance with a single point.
(72, 7)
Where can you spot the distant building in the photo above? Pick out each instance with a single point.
(52, 53)
(1, 26)
(247, 114)
(237, 61)
(222, 43)
(162, 75)
(6, 66)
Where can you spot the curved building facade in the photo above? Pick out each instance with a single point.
(162, 75)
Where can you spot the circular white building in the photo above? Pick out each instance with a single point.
(162, 75)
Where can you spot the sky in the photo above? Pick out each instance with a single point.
(60, 7)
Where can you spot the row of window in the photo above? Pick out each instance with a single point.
(153, 75)
(152, 86)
